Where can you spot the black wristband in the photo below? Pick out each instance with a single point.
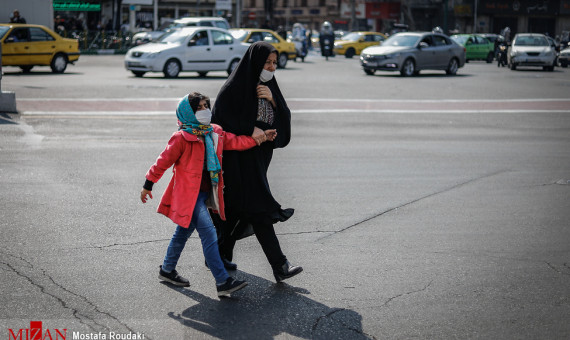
(148, 185)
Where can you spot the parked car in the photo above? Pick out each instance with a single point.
(353, 43)
(196, 49)
(411, 52)
(531, 49)
(27, 46)
(476, 47)
(285, 49)
(146, 37)
(564, 57)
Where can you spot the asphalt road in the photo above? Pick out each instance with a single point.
(432, 207)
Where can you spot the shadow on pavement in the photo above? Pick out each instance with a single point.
(263, 310)
(5, 119)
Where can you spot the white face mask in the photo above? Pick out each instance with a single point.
(204, 116)
(266, 75)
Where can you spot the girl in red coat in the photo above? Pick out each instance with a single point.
(195, 151)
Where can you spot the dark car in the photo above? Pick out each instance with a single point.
(411, 52)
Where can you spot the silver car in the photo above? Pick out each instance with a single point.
(197, 49)
(411, 52)
(564, 57)
(531, 49)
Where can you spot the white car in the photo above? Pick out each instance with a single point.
(531, 49)
(194, 49)
(146, 37)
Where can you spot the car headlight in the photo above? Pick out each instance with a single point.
(337, 46)
(392, 55)
(152, 55)
(548, 54)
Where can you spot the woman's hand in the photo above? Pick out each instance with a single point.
(264, 92)
(144, 193)
(258, 135)
(271, 134)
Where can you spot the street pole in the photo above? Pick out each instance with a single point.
(445, 17)
(475, 18)
(155, 15)
(238, 13)
(352, 15)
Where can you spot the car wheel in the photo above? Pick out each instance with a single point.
(350, 53)
(171, 68)
(26, 69)
(369, 72)
(452, 67)
(513, 66)
(138, 74)
(490, 57)
(409, 68)
(202, 74)
(233, 66)
(59, 63)
(283, 58)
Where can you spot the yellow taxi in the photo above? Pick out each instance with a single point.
(354, 42)
(285, 49)
(27, 46)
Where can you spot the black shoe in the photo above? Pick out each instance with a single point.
(173, 278)
(231, 285)
(227, 264)
(286, 271)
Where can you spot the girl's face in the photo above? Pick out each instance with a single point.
(271, 62)
(203, 105)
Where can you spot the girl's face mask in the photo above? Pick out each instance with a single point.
(204, 117)
(265, 75)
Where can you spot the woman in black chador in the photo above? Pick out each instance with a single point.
(249, 102)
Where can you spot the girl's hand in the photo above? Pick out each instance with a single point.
(258, 135)
(271, 134)
(264, 92)
(144, 193)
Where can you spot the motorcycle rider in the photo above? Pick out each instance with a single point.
(299, 37)
(326, 39)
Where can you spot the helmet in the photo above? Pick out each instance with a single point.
(437, 29)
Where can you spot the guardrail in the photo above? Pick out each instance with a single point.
(100, 42)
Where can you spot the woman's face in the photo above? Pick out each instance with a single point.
(271, 62)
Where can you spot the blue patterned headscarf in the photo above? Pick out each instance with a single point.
(188, 122)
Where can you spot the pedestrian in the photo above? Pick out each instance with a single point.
(16, 18)
(195, 150)
(251, 100)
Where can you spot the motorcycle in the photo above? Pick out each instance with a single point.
(327, 46)
(502, 56)
(300, 48)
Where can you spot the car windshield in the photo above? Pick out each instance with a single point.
(239, 34)
(3, 30)
(173, 37)
(460, 39)
(527, 40)
(402, 40)
(351, 37)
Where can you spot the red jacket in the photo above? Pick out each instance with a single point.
(187, 153)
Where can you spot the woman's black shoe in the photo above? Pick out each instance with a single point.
(227, 264)
(286, 271)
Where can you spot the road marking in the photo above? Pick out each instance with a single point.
(167, 106)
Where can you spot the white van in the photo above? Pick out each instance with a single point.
(145, 37)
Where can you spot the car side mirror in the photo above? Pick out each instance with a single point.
(423, 44)
(10, 40)
(192, 43)
(469, 42)
(361, 40)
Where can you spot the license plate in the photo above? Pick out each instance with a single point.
(133, 64)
